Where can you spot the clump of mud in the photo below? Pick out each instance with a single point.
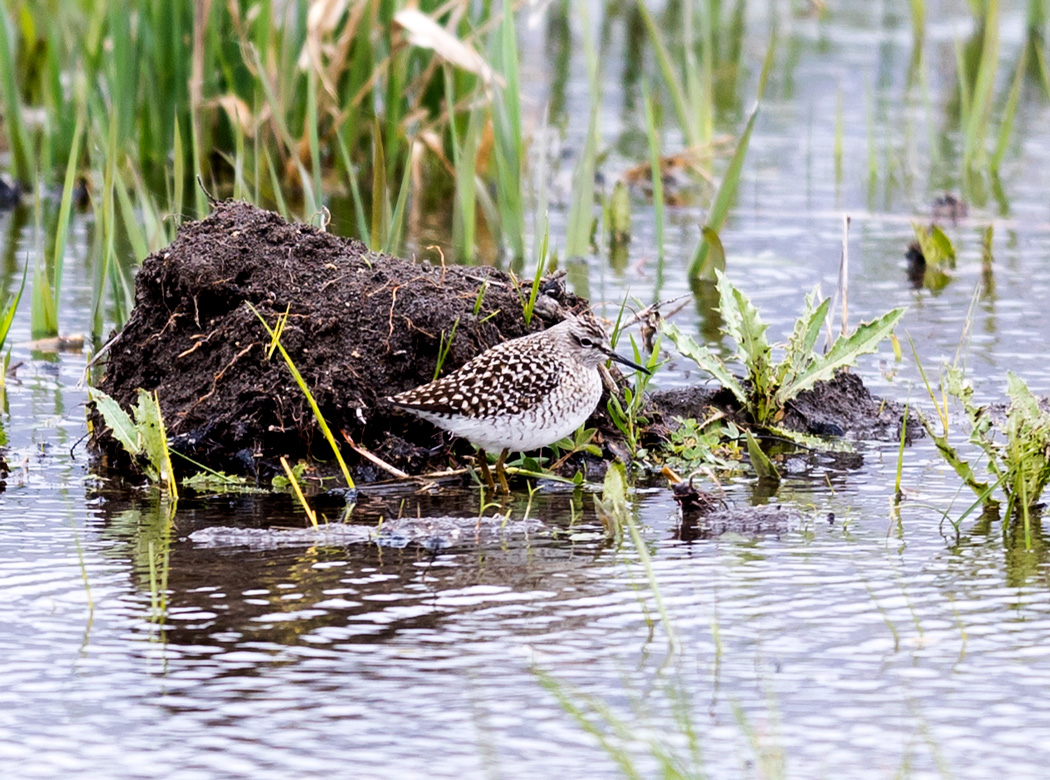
(842, 406)
(361, 326)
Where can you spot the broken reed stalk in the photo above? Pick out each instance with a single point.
(275, 336)
(368, 455)
(844, 274)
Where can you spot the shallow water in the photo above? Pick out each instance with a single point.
(847, 643)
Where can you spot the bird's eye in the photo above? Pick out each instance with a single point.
(586, 342)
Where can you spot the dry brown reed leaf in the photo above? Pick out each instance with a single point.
(321, 21)
(422, 31)
(238, 112)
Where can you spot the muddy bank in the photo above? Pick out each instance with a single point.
(361, 326)
(842, 407)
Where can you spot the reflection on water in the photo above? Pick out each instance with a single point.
(859, 639)
(836, 636)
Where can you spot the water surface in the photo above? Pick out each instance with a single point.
(849, 642)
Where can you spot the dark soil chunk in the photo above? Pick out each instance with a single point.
(840, 407)
(845, 407)
(361, 326)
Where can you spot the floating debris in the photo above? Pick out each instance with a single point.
(432, 533)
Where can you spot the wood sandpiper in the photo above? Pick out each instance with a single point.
(520, 395)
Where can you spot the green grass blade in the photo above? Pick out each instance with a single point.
(10, 307)
(976, 127)
(653, 135)
(1044, 71)
(581, 210)
(509, 147)
(65, 209)
(397, 219)
(1009, 112)
(380, 204)
(363, 232)
(464, 161)
(716, 216)
(17, 135)
(672, 80)
(309, 399)
(178, 173)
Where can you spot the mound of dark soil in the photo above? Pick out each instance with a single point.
(361, 326)
(840, 407)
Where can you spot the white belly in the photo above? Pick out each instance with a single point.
(555, 417)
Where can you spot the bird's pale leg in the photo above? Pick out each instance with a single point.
(483, 462)
(502, 472)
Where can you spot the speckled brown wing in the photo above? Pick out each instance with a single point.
(509, 379)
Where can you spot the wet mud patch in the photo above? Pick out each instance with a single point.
(841, 407)
(361, 326)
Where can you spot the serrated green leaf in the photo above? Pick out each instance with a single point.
(1021, 398)
(705, 359)
(743, 324)
(799, 350)
(844, 352)
(960, 465)
(118, 420)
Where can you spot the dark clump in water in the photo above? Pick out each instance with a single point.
(361, 326)
(10, 194)
(840, 407)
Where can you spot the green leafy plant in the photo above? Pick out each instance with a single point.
(626, 415)
(936, 247)
(580, 441)
(1015, 443)
(768, 386)
(713, 442)
(143, 436)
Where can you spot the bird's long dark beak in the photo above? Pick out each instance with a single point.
(626, 362)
